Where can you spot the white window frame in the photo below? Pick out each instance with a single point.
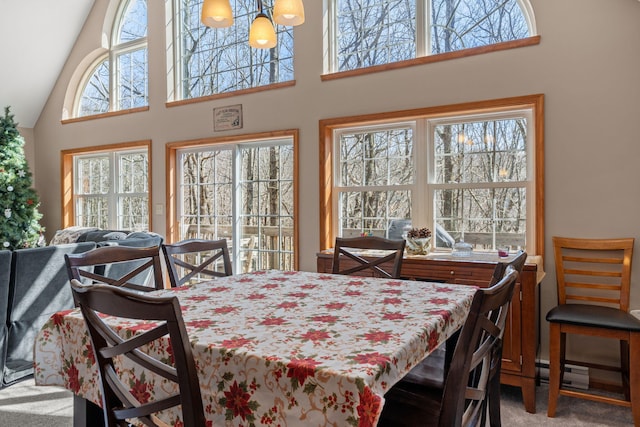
(424, 188)
(113, 54)
(115, 193)
(237, 215)
(423, 35)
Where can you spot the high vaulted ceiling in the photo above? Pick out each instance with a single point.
(37, 37)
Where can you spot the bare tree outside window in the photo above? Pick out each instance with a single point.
(475, 187)
(377, 32)
(111, 190)
(259, 230)
(220, 60)
(126, 60)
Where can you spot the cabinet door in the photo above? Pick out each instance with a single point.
(511, 345)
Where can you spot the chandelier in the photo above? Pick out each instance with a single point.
(262, 35)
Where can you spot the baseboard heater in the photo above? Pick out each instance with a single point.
(574, 376)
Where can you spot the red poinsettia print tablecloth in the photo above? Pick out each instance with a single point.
(278, 348)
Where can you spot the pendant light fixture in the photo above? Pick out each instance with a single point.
(262, 34)
(217, 13)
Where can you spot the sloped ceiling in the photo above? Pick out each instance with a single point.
(37, 37)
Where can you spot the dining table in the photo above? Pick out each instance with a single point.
(276, 348)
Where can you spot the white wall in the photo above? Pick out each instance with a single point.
(586, 66)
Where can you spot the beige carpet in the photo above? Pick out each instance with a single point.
(26, 405)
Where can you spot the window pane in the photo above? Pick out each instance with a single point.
(464, 24)
(93, 175)
(221, 60)
(486, 218)
(371, 211)
(481, 152)
(133, 213)
(92, 212)
(374, 32)
(265, 172)
(132, 79)
(95, 94)
(111, 190)
(382, 157)
(133, 173)
(134, 21)
(265, 236)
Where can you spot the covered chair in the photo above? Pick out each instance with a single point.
(349, 251)
(593, 278)
(181, 377)
(473, 382)
(134, 268)
(189, 260)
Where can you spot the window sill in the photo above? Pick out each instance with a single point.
(104, 115)
(230, 94)
(514, 44)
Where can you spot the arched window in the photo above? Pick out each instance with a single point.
(212, 61)
(119, 79)
(367, 33)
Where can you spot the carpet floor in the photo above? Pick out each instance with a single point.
(27, 405)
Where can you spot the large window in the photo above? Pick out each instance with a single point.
(118, 80)
(110, 187)
(469, 174)
(242, 191)
(368, 33)
(214, 61)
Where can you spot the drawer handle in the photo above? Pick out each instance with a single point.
(452, 272)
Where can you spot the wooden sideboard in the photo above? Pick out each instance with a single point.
(521, 335)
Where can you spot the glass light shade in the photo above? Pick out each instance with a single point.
(217, 13)
(262, 35)
(288, 12)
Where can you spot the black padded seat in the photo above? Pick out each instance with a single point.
(592, 315)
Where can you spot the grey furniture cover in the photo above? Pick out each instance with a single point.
(39, 286)
(5, 272)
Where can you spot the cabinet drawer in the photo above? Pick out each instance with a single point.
(447, 273)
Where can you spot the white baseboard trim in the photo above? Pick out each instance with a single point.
(574, 376)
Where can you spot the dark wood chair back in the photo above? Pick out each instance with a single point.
(350, 250)
(121, 266)
(195, 258)
(473, 380)
(118, 404)
(517, 264)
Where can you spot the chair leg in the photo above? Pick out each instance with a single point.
(494, 401)
(634, 376)
(624, 367)
(554, 367)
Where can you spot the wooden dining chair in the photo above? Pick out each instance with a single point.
(593, 278)
(349, 250)
(196, 258)
(473, 382)
(516, 263)
(163, 317)
(121, 266)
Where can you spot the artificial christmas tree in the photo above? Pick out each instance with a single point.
(19, 215)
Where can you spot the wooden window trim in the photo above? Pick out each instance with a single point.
(463, 53)
(67, 177)
(104, 115)
(171, 149)
(327, 127)
(215, 96)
